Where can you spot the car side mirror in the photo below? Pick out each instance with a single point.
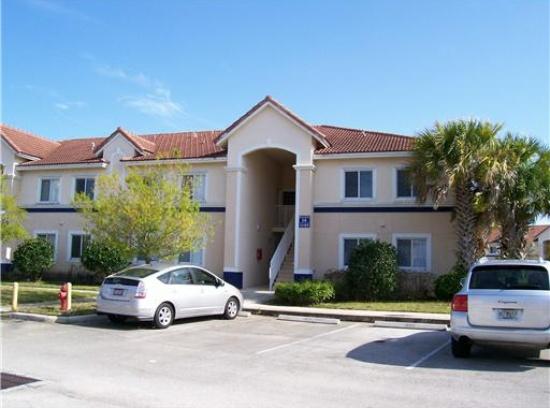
(462, 282)
(219, 283)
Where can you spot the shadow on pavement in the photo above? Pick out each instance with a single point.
(102, 322)
(408, 350)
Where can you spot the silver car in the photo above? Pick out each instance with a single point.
(162, 293)
(502, 303)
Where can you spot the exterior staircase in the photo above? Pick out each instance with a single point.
(286, 274)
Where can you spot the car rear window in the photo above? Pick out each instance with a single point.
(120, 281)
(138, 272)
(509, 277)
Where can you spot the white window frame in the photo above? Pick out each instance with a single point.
(406, 235)
(70, 242)
(203, 251)
(85, 176)
(343, 183)
(345, 236)
(39, 190)
(203, 173)
(396, 197)
(35, 234)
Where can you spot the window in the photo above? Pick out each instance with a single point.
(404, 187)
(49, 190)
(77, 242)
(202, 278)
(358, 184)
(413, 252)
(188, 257)
(181, 277)
(51, 237)
(348, 244)
(197, 185)
(85, 185)
(509, 277)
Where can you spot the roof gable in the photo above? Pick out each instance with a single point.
(269, 101)
(143, 146)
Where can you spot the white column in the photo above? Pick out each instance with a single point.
(303, 239)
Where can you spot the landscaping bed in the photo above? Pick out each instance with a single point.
(393, 306)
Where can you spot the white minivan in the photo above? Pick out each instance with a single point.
(502, 303)
(162, 293)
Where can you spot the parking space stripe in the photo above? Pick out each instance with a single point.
(427, 356)
(307, 339)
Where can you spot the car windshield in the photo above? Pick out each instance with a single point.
(137, 272)
(509, 277)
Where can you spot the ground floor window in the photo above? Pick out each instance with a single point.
(413, 251)
(50, 236)
(348, 242)
(192, 257)
(77, 243)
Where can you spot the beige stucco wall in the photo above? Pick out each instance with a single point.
(329, 228)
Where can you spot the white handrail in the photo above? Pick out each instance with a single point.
(280, 253)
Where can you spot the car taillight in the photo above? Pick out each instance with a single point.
(140, 291)
(460, 303)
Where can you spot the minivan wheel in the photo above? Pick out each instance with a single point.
(460, 348)
(164, 316)
(117, 318)
(231, 308)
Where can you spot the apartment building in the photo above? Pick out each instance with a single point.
(288, 200)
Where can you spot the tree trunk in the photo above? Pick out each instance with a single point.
(465, 226)
(512, 242)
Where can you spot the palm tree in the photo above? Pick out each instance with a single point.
(456, 158)
(521, 191)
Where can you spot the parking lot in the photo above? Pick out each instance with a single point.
(260, 362)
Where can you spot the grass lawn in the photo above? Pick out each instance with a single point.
(79, 308)
(397, 306)
(49, 285)
(36, 294)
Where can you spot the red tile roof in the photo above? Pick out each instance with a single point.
(532, 233)
(346, 140)
(139, 142)
(71, 152)
(26, 143)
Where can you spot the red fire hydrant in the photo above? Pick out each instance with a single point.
(63, 295)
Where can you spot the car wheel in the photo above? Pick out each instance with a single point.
(231, 308)
(164, 316)
(117, 318)
(460, 349)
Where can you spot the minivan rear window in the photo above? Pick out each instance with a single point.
(137, 272)
(509, 277)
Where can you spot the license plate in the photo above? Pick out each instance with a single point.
(507, 314)
(118, 292)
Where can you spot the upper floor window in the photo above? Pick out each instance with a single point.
(49, 190)
(197, 185)
(359, 184)
(85, 185)
(413, 251)
(405, 188)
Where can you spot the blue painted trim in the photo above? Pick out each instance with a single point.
(213, 209)
(51, 210)
(234, 278)
(73, 210)
(300, 277)
(381, 209)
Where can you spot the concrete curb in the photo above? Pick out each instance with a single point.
(53, 319)
(349, 315)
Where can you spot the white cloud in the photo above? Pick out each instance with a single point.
(69, 105)
(56, 7)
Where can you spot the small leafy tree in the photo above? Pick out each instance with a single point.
(445, 286)
(372, 271)
(149, 213)
(103, 259)
(33, 257)
(12, 216)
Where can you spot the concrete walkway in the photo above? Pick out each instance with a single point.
(256, 300)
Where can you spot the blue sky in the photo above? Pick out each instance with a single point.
(80, 68)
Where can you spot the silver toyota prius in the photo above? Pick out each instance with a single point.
(162, 293)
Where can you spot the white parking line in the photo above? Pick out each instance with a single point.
(427, 356)
(307, 339)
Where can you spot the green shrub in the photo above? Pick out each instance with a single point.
(33, 258)
(103, 259)
(372, 271)
(338, 280)
(308, 292)
(445, 286)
